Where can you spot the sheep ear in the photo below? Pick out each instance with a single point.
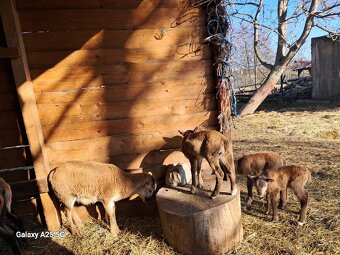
(181, 132)
(149, 173)
(269, 180)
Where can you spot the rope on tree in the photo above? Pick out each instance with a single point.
(218, 25)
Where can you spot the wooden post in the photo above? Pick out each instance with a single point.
(28, 106)
(197, 224)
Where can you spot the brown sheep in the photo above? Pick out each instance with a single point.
(10, 224)
(279, 179)
(89, 182)
(216, 149)
(256, 164)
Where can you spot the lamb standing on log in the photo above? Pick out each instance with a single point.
(89, 182)
(279, 179)
(256, 164)
(216, 149)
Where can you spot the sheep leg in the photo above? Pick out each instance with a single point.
(68, 206)
(275, 203)
(110, 208)
(283, 199)
(302, 195)
(193, 164)
(76, 219)
(250, 184)
(229, 171)
(269, 203)
(199, 173)
(8, 200)
(214, 164)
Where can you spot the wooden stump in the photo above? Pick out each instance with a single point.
(197, 224)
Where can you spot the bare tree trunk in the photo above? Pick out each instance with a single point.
(263, 91)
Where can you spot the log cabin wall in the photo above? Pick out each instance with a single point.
(115, 80)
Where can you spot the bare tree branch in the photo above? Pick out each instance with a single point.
(325, 28)
(256, 37)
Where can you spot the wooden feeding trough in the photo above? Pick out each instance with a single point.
(196, 224)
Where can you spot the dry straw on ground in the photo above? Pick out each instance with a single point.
(309, 136)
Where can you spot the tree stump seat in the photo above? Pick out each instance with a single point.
(197, 224)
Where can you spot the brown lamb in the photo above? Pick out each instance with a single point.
(279, 179)
(256, 164)
(88, 182)
(216, 149)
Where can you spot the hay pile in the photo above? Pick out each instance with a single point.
(306, 136)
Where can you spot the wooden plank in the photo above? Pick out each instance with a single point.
(27, 189)
(11, 52)
(61, 78)
(13, 176)
(88, 111)
(13, 34)
(99, 57)
(65, 131)
(148, 160)
(115, 145)
(85, 19)
(160, 90)
(113, 39)
(24, 86)
(87, 4)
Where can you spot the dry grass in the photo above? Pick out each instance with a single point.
(305, 136)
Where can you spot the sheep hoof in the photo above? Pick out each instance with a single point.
(234, 192)
(193, 190)
(249, 201)
(212, 197)
(300, 223)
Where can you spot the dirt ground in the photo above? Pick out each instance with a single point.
(306, 134)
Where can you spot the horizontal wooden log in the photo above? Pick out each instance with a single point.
(65, 131)
(89, 111)
(127, 93)
(145, 39)
(60, 78)
(148, 160)
(11, 52)
(93, 4)
(85, 19)
(99, 57)
(116, 145)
